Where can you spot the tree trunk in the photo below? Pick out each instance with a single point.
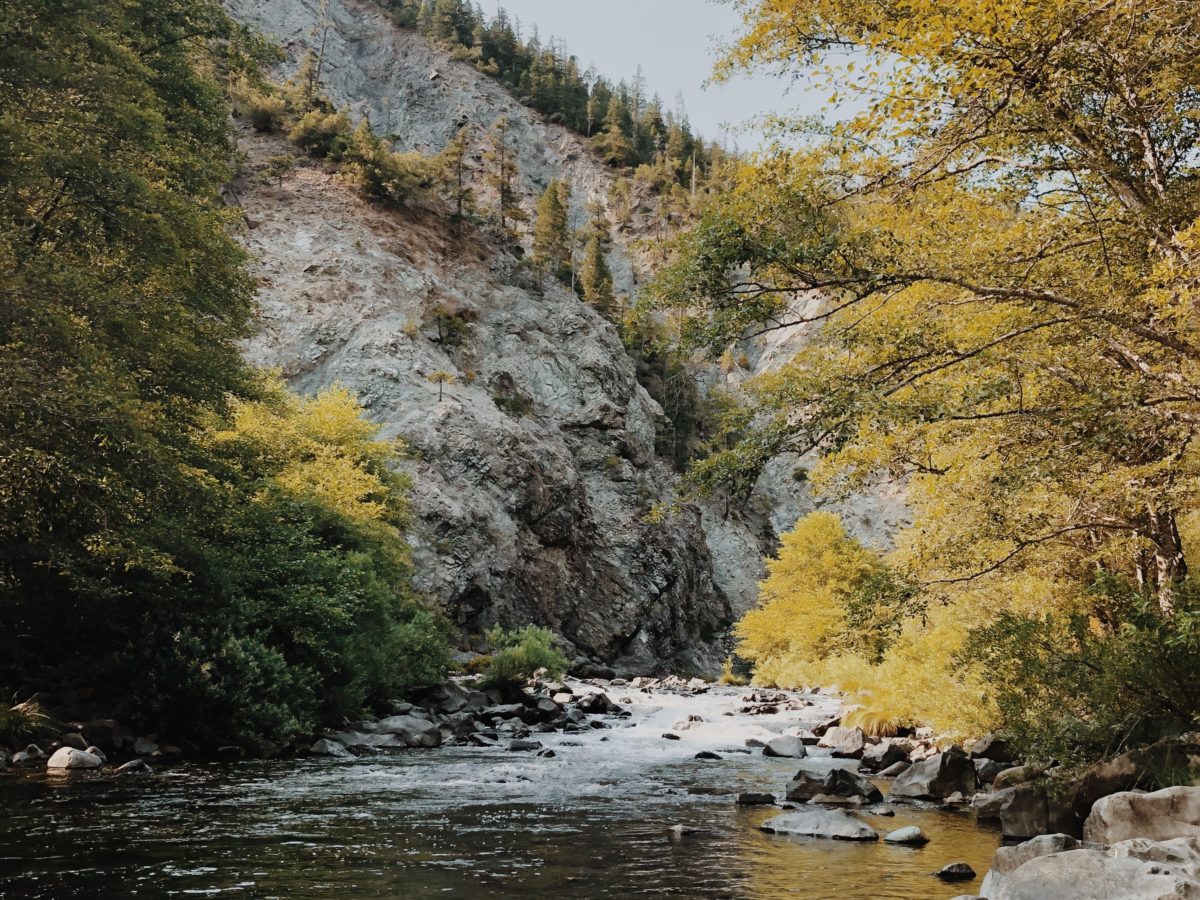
(1170, 565)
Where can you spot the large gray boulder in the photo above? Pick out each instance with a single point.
(70, 758)
(1028, 810)
(937, 778)
(846, 743)
(1160, 816)
(787, 746)
(835, 784)
(877, 757)
(822, 823)
(326, 747)
(992, 747)
(415, 732)
(1010, 858)
(1121, 873)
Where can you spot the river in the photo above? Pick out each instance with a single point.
(480, 822)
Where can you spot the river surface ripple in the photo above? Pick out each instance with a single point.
(476, 822)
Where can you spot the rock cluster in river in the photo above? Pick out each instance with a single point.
(459, 713)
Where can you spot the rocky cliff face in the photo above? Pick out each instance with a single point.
(534, 469)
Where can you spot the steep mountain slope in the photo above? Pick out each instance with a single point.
(534, 470)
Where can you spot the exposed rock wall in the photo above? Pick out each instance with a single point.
(534, 471)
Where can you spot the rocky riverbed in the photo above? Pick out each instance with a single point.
(595, 789)
(622, 808)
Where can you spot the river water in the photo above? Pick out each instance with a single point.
(591, 822)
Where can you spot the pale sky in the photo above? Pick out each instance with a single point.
(673, 41)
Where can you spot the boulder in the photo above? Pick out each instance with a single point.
(1016, 775)
(503, 711)
(104, 733)
(75, 740)
(1011, 857)
(415, 731)
(910, 834)
(956, 871)
(877, 757)
(144, 747)
(1027, 810)
(1134, 769)
(362, 741)
(708, 754)
(1160, 816)
(937, 777)
(804, 787)
(837, 785)
(846, 743)
(787, 746)
(986, 770)
(822, 727)
(992, 747)
(326, 747)
(98, 753)
(597, 704)
(669, 736)
(1121, 872)
(822, 823)
(896, 769)
(754, 743)
(521, 746)
(70, 758)
(844, 783)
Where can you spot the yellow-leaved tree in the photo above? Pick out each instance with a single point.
(997, 253)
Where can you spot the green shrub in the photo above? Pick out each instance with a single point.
(1072, 689)
(322, 134)
(266, 113)
(520, 653)
(21, 722)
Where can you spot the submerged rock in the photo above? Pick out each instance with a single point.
(956, 871)
(823, 823)
(753, 798)
(910, 834)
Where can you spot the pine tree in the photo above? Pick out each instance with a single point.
(452, 172)
(551, 231)
(595, 278)
(503, 178)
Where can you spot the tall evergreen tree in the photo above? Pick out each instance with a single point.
(503, 178)
(595, 278)
(551, 231)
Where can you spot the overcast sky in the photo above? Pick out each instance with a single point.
(674, 41)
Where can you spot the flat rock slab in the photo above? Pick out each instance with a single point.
(821, 823)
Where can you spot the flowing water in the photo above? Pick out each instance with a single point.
(591, 822)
